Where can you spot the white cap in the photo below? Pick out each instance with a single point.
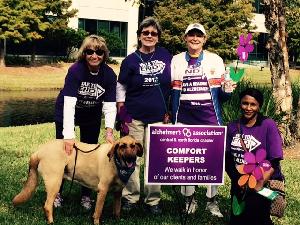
(196, 26)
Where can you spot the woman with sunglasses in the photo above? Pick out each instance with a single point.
(142, 91)
(252, 133)
(89, 91)
(197, 95)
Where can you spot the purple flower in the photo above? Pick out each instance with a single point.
(256, 164)
(245, 47)
(254, 167)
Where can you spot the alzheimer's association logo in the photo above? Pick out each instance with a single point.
(186, 132)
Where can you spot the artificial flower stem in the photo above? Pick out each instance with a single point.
(237, 62)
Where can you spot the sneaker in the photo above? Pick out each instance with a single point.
(213, 207)
(128, 206)
(155, 209)
(86, 202)
(58, 201)
(190, 205)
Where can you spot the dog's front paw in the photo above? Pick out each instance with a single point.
(96, 221)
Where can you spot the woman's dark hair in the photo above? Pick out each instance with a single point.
(255, 93)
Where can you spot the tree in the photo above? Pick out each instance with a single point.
(224, 21)
(113, 41)
(293, 29)
(279, 65)
(65, 40)
(23, 20)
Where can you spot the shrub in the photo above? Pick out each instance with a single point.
(16, 60)
(231, 108)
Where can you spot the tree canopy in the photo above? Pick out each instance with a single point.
(293, 27)
(23, 20)
(224, 21)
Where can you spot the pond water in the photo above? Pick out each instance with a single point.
(26, 107)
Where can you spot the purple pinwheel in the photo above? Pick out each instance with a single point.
(122, 119)
(254, 167)
(245, 47)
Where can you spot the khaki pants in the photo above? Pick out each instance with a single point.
(211, 190)
(131, 192)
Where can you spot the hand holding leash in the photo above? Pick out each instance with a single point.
(109, 136)
(68, 145)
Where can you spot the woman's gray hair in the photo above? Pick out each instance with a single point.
(147, 22)
(95, 42)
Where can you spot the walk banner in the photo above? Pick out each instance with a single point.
(185, 155)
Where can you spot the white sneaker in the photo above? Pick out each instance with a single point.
(190, 205)
(86, 202)
(58, 201)
(213, 207)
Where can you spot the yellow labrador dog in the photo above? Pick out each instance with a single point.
(108, 167)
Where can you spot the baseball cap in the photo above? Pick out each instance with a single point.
(196, 26)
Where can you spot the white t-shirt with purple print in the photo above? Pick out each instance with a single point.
(196, 104)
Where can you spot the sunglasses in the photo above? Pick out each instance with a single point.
(152, 33)
(98, 52)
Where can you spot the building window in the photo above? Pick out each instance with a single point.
(260, 53)
(259, 6)
(119, 28)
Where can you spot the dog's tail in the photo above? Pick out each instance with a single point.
(31, 183)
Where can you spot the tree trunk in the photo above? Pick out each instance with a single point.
(33, 53)
(2, 53)
(279, 65)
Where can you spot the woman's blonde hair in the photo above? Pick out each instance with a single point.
(95, 42)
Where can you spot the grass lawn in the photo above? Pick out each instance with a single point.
(17, 143)
(52, 77)
(36, 78)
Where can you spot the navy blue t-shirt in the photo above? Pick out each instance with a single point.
(90, 90)
(143, 74)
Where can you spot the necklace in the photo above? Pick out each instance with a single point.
(140, 56)
(94, 73)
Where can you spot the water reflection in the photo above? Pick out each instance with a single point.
(26, 107)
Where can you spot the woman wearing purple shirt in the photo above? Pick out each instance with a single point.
(89, 91)
(257, 132)
(143, 89)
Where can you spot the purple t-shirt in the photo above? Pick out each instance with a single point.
(196, 105)
(90, 90)
(265, 135)
(147, 78)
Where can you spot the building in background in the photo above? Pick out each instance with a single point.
(118, 16)
(260, 52)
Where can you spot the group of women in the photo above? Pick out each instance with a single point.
(147, 79)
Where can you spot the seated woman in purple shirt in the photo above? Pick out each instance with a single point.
(257, 132)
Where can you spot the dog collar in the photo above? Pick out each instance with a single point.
(123, 172)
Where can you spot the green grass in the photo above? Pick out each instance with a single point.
(16, 145)
(31, 82)
(49, 77)
(254, 75)
(53, 77)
